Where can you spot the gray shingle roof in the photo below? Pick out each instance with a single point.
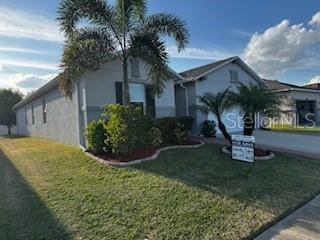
(195, 72)
(276, 85)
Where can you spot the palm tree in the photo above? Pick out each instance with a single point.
(97, 32)
(216, 104)
(253, 99)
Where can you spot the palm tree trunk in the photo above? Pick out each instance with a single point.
(9, 130)
(223, 130)
(125, 85)
(248, 124)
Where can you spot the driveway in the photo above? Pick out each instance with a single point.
(289, 142)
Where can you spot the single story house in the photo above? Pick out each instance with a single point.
(299, 105)
(47, 113)
(213, 78)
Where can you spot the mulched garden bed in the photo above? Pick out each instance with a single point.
(142, 153)
(258, 152)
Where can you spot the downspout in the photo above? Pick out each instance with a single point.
(186, 98)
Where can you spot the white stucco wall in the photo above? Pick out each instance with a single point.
(218, 81)
(62, 118)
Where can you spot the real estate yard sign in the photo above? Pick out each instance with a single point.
(243, 148)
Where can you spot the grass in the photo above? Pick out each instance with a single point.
(297, 129)
(51, 191)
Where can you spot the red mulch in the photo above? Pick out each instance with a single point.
(258, 152)
(142, 153)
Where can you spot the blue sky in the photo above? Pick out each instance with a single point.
(278, 39)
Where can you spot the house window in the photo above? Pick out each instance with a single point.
(26, 115)
(32, 114)
(44, 111)
(234, 76)
(137, 94)
(134, 62)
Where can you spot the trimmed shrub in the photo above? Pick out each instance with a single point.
(154, 137)
(127, 128)
(181, 134)
(96, 135)
(168, 125)
(208, 128)
(186, 122)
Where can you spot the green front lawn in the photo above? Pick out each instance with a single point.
(296, 129)
(50, 191)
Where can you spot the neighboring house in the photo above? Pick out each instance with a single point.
(300, 105)
(214, 78)
(47, 113)
(313, 86)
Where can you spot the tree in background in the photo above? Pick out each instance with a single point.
(216, 104)
(8, 98)
(97, 32)
(253, 99)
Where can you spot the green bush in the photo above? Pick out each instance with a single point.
(96, 135)
(208, 128)
(154, 137)
(168, 125)
(181, 134)
(186, 122)
(127, 128)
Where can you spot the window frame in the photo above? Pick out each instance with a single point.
(135, 67)
(234, 76)
(32, 115)
(26, 115)
(44, 111)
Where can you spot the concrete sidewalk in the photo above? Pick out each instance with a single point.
(303, 224)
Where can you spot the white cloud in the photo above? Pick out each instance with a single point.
(197, 53)
(315, 79)
(283, 47)
(29, 64)
(20, 24)
(315, 19)
(22, 50)
(24, 82)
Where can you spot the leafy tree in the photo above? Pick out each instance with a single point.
(8, 98)
(253, 99)
(216, 104)
(97, 32)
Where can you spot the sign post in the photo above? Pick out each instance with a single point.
(242, 149)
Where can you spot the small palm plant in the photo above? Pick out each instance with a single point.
(97, 32)
(216, 104)
(253, 99)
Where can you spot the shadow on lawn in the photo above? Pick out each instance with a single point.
(275, 187)
(23, 214)
(270, 185)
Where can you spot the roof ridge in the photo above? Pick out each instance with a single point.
(208, 65)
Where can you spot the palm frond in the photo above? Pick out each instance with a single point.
(80, 55)
(71, 12)
(153, 51)
(164, 24)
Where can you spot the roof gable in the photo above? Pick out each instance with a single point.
(199, 72)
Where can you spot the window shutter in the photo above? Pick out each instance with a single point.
(150, 101)
(119, 92)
